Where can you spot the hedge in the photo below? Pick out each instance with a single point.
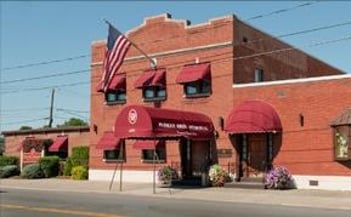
(8, 171)
(32, 171)
(67, 168)
(50, 166)
(79, 173)
(8, 160)
(80, 156)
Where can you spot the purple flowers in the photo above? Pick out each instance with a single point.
(279, 178)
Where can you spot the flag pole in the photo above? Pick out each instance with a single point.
(140, 50)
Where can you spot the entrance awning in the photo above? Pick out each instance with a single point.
(108, 141)
(253, 117)
(148, 144)
(60, 144)
(144, 122)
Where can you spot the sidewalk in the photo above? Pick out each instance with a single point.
(305, 198)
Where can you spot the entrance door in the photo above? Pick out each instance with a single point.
(256, 159)
(185, 155)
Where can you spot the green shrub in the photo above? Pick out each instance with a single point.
(67, 168)
(32, 171)
(79, 173)
(8, 160)
(8, 171)
(50, 166)
(80, 156)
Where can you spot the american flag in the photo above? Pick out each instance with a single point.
(117, 48)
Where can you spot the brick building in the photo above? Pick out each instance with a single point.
(61, 141)
(187, 107)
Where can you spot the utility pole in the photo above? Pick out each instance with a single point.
(51, 108)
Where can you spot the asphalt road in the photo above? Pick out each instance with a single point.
(34, 203)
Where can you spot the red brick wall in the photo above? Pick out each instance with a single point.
(287, 63)
(161, 35)
(78, 138)
(307, 149)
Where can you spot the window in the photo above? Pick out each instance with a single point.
(342, 143)
(153, 93)
(115, 96)
(258, 75)
(148, 155)
(196, 80)
(197, 88)
(115, 154)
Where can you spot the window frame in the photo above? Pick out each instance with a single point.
(200, 88)
(117, 93)
(345, 132)
(156, 89)
(160, 151)
(259, 75)
(121, 155)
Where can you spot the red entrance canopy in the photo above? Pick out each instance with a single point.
(144, 122)
(194, 72)
(108, 141)
(60, 144)
(253, 117)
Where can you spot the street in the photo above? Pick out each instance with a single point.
(36, 203)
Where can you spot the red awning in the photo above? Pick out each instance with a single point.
(118, 82)
(343, 119)
(108, 141)
(151, 78)
(60, 144)
(194, 72)
(145, 122)
(253, 117)
(148, 144)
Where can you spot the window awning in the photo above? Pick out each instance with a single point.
(108, 141)
(194, 72)
(253, 117)
(151, 78)
(145, 122)
(60, 144)
(343, 119)
(148, 144)
(118, 82)
(98, 87)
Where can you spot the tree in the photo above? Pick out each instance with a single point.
(2, 145)
(26, 128)
(74, 122)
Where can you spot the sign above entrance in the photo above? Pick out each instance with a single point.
(132, 116)
(145, 122)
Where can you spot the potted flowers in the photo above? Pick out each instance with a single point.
(165, 175)
(218, 176)
(279, 178)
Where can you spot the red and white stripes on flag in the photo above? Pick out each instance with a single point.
(117, 48)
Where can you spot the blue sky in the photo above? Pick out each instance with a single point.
(33, 32)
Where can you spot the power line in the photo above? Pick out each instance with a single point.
(179, 64)
(45, 76)
(45, 62)
(250, 41)
(88, 55)
(283, 10)
(71, 110)
(25, 121)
